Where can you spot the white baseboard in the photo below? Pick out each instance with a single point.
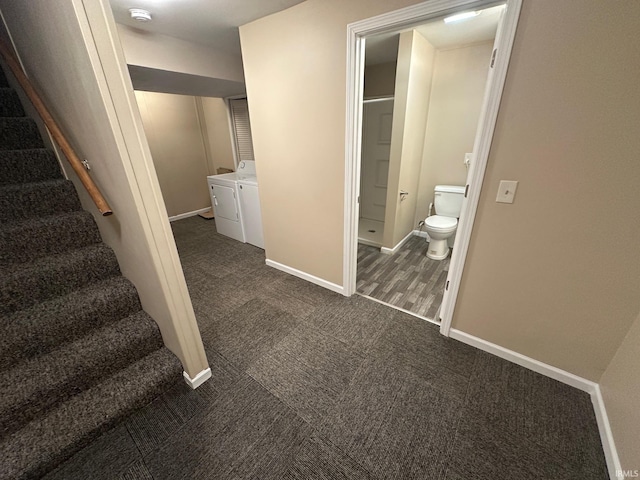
(606, 435)
(199, 379)
(370, 243)
(423, 234)
(188, 214)
(524, 361)
(592, 388)
(306, 276)
(391, 251)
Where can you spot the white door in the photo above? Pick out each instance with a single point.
(376, 146)
(251, 216)
(224, 203)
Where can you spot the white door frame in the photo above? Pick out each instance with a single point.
(394, 21)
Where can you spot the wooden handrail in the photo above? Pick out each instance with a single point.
(56, 133)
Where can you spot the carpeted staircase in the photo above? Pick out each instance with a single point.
(77, 352)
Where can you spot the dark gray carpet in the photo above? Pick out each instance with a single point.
(77, 352)
(308, 384)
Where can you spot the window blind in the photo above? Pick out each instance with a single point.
(241, 128)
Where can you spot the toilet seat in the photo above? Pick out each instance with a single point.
(440, 222)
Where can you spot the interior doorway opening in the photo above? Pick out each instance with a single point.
(434, 120)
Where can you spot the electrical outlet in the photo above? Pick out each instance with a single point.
(507, 191)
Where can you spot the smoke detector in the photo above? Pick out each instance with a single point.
(140, 14)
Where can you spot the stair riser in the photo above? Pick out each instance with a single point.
(27, 287)
(19, 133)
(37, 200)
(27, 241)
(10, 105)
(39, 330)
(24, 166)
(82, 365)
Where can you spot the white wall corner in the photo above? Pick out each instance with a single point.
(391, 251)
(199, 379)
(306, 276)
(606, 435)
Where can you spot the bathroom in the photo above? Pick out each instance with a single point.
(423, 94)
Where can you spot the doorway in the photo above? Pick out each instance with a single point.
(402, 21)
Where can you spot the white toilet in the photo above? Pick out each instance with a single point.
(442, 226)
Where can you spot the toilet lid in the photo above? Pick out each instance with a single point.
(439, 221)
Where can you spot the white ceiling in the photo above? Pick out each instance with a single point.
(383, 48)
(208, 22)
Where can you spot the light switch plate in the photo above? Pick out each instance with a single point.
(507, 191)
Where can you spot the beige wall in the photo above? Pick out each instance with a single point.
(295, 65)
(556, 275)
(459, 80)
(620, 386)
(163, 52)
(410, 110)
(217, 134)
(380, 80)
(173, 130)
(85, 86)
(553, 276)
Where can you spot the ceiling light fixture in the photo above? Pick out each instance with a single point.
(461, 16)
(140, 14)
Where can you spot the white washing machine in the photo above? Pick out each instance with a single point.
(227, 198)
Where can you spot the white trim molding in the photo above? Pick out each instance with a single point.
(391, 251)
(422, 233)
(189, 214)
(198, 380)
(592, 388)
(524, 361)
(505, 36)
(606, 435)
(306, 276)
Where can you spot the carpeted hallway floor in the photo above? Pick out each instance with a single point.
(308, 384)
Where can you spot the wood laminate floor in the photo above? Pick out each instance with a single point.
(407, 279)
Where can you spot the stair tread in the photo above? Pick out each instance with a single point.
(28, 165)
(18, 133)
(37, 384)
(38, 329)
(25, 240)
(28, 200)
(49, 440)
(26, 284)
(10, 105)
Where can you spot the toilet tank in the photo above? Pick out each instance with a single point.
(448, 200)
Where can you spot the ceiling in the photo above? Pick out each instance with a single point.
(383, 48)
(209, 22)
